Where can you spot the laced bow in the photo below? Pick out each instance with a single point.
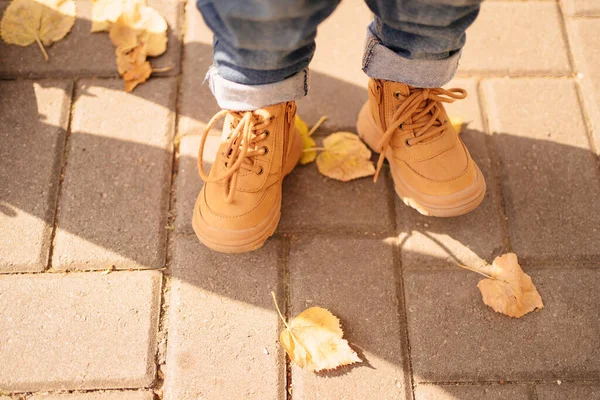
(424, 107)
(247, 130)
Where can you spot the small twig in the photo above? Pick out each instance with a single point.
(314, 149)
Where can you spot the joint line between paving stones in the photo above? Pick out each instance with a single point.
(533, 392)
(582, 382)
(163, 322)
(496, 168)
(287, 309)
(409, 384)
(61, 176)
(582, 105)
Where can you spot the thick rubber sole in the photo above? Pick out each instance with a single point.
(438, 206)
(241, 241)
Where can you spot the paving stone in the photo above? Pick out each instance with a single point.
(516, 38)
(568, 391)
(82, 53)
(78, 331)
(338, 89)
(471, 239)
(112, 395)
(549, 174)
(582, 8)
(114, 198)
(471, 392)
(355, 280)
(188, 183)
(583, 34)
(223, 328)
(197, 105)
(312, 201)
(454, 336)
(33, 122)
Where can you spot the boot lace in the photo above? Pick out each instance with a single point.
(424, 107)
(247, 131)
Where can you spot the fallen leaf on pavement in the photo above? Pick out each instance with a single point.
(309, 152)
(132, 66)
(313, 340)
(42, 21)
(345, 157)
(456, 123)
(507, 289)
(137, 31)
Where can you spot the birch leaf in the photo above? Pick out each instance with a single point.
(313, 340)
(509, 290)
(345, 157)
(41, 21)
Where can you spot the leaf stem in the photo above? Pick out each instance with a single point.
(317, 125)
(314, 149)
(279, 311)
(476, 271)
(39, 42)
(163, 69)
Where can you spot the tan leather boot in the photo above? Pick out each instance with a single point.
(432, 169)
(239, 205)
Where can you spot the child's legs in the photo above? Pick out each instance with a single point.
(262, 48)
(417, 42)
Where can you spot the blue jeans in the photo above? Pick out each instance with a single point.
(262, 48)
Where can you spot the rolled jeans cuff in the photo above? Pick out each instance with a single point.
(239, 97)
(380, 62)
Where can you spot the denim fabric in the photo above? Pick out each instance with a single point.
(268, 44)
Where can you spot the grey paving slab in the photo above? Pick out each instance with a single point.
(516, 38)
(197, 104)
(188, 182)
(114, 199)
(106, 395)
(355, 280)
(568, 391)
(82, 53)
(470, 239)
(78, 331)
(472, 392)
(454, 336)
(583, 34)
(33, 123)
(338, 89)
(223, 327)
(550, 176)
(312, 201)
(581, 8)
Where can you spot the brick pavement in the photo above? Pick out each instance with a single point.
(92, 179)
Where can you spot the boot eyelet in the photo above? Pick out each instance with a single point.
(397, 94)
(400, 127)
(267, 133)
(226, 163)
(266, 150)
(407, 143)
(260, 171)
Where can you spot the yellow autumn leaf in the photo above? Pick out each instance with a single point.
(308, 142)
(313, 340)
(456, 123)
(132, 66)
(41, 21)
(104, 13)
(345, 157)
(507, 289)
(154, 32)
